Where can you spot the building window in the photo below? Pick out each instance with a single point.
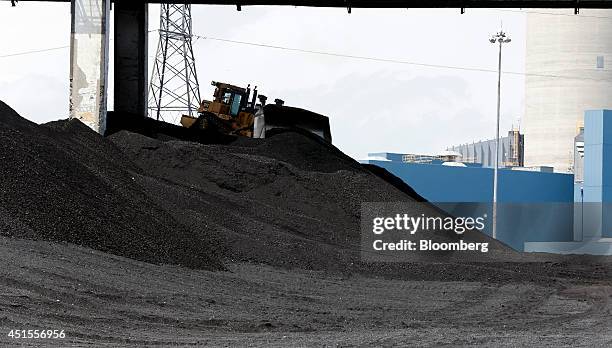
(600, 62)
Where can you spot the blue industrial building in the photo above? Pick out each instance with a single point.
(440, 183)
(537, 211)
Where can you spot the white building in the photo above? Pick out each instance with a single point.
(569, 70)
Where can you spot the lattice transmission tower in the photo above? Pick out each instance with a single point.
(174, 88)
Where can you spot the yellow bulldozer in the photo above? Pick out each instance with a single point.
(235, 111)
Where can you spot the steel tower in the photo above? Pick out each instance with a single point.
(174, 88)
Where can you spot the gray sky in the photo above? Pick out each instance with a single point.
(373, 106)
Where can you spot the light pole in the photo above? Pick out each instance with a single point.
(500, 38)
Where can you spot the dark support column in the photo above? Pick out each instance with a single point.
(131, 57)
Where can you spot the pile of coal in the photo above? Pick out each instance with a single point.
(291, 200)
(288, 200)
(63, 182)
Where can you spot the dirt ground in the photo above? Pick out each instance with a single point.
(101, 299)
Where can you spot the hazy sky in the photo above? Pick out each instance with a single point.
(373, 106)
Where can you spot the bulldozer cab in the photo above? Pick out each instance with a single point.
(229, 112)
(228, 100)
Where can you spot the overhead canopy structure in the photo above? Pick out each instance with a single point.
(398, 3)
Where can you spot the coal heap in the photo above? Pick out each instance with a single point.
(291, 200)
(63, 182)
(288, 200)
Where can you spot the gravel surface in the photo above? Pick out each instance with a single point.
(102, 300)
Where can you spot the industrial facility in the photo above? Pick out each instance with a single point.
(565, 75)
(554, 169)
(221, 219)
(540, 211)
(511, 151)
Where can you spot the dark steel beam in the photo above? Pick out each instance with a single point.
(397, 3)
